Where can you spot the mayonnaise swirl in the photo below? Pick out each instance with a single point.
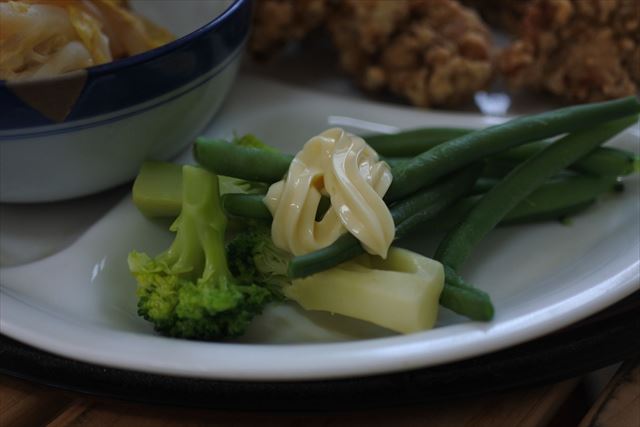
(343, 167)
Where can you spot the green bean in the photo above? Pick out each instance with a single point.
(470, 302)
(412, 142)
(509, 197)
(400, 147)
(395, 162)
(406, 214)
(258, 165)
(530, 213)
(553, 200)
(561, 214)
(464, 299)
(451, 216)
(558, 198)
(252, 164)
(514, 188)
(423, 205)
(483, 184)
(603, 161)
(497, 168)
(250, 206)
(346, 247)
(608, 161)
(427, 167)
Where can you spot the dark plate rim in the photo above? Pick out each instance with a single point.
(567, 353)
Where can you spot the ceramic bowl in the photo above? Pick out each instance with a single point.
(89, 130)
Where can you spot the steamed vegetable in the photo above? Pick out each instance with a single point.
(241, 161)
(554, 200)
(412, 142)
(400, 293)
(254, 258)
(400, 147)
(441, 160)
(424, 169)
(602, 161)
(516, 186)
(464, 299)
(157, 190)
(408, 213)
(188, 291)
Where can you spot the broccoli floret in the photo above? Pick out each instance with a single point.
(254, 257)
(188, 291)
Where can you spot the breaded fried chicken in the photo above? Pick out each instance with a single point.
(430, 52)
(505, 14)
(581, 50)
(278, 22)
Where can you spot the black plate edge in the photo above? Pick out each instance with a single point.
(608, 337)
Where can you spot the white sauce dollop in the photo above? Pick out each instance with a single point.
(344, 168)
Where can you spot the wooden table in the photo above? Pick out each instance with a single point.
(556, 405)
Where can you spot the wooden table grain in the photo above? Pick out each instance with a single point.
(27, 404)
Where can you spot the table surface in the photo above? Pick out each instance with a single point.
(24, 403)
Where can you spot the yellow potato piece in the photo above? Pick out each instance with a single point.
(400, 293)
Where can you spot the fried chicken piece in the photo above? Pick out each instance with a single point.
(505, 14)
(431, 52)
(278, 22)
(581, 50)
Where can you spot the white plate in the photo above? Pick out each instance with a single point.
(78, 301)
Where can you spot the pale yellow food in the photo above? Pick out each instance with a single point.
(400, 293)
(341, 166)
(41, 38)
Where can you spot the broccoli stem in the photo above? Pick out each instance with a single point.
(188, 291)
(201, 195)
(157, 190)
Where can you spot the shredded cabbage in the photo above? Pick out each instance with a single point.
(39, 38)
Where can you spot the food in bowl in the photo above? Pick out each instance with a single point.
(92, 128)
(41, 38)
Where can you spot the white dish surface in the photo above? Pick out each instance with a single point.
(77, 298)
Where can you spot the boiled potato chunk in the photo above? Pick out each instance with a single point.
(400, 293)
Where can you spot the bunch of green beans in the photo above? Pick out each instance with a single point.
(401, 147)
(524, 191)
(517, 185)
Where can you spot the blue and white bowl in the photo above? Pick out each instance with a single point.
(89, 130)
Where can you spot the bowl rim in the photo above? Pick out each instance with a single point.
(147, 55)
